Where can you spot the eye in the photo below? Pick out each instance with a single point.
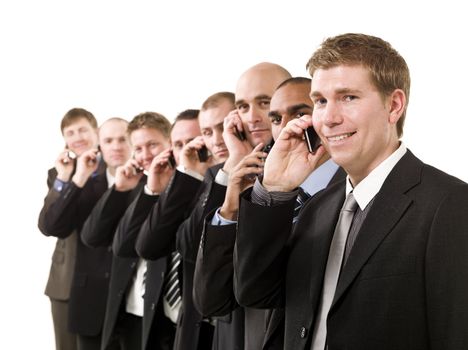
(244, 107)
(207, 133)
(349, 98)
(319, 102)
(275, 119)
(264, 104)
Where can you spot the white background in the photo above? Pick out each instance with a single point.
(118, 58)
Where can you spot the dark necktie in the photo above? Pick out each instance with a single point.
(172, 286)
(332, 271)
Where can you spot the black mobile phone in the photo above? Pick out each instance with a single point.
(172, 161)
(312, 139)
(202, 154)
(240, 134)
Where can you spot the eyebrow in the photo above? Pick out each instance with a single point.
(273, 114)
(338, 92)
(256, 98)
(294, 108)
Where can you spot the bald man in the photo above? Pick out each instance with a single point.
(262, 330)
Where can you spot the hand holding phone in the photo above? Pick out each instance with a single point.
(69, 156)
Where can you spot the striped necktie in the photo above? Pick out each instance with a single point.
(172, 286)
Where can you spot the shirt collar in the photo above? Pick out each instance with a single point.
(371, 184)
(110, 178)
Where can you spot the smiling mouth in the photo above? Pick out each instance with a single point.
(340, 137)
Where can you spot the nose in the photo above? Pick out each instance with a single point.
(218, 137)
(254, 115)
(146, 153)
(332, 115)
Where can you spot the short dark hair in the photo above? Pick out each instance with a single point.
(295, 81)
(75, 114)
(188, 114)
(150, 120)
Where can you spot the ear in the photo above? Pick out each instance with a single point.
(396, 104)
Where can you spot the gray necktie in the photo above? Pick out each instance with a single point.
(332, 271)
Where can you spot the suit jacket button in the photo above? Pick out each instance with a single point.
(133, 265)
(303, 332)
(153, 306)
(106, 275)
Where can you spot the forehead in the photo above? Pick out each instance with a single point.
(213, 116)
(113, 128)
(339, 78)
(78, 123)
(185, 129)
(255, 84)
(290, 95)
(142, 136)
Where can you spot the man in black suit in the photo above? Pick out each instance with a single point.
(78, 192)
(214, 267)
(134, 315)
(159, 234)
(398, 279)
(79, 131)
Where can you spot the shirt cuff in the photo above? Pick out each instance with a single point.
(218, 220)
(189, 172)
(222, 177)
(261, 196)
(149, 192)
(60, 185)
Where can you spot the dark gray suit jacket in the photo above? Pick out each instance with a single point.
(64, 255)
(405, 283)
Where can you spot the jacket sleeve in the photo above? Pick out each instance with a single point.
(260, 253)
(129, 226)
(189, 232)
(214, 268)
(99, 228)
(158, 232)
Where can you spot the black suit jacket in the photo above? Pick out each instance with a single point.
(124, 247)
(90, 281)
(115, 213)
(405, 283)
(177, 221)
(214, 268)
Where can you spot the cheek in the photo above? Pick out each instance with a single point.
(275, 130)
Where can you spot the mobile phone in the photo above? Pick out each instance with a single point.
(312, 139)
(240, 134)
(268, 147)
(70, 156)
(202, 154)
(138, 169)
(98, 156)
(172, 161)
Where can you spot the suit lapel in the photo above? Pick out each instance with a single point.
(320, 236)
(389, 206)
